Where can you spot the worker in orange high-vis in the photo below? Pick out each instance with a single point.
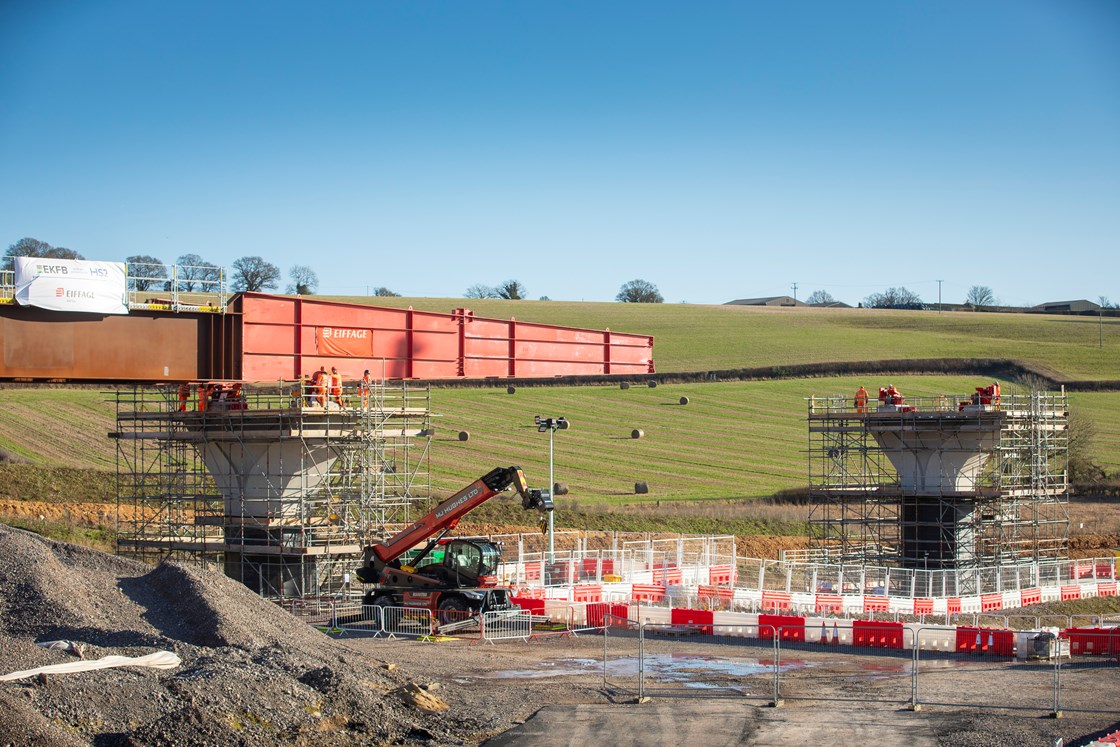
(184, 396)
(861, 400)
(364, 387)
(336, 386)
(203, 397)
(319, 386)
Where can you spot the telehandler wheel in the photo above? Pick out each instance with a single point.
(452, 610)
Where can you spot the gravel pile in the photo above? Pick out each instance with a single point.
(250, 674)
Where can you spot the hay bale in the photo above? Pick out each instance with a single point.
(464, 436)
(641, 488)
(560, 489)
(637, 433)
(624, 385)
(511, 390)
(684, 400)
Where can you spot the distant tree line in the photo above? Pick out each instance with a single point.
(192, 272)
(635, 291)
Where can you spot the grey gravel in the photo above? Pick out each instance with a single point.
(250, 675)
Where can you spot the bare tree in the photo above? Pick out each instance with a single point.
(512, 290)
(639, 291)
(254, 274)
(145, 272)
(894, 298)
(304, 281)
(980, 296)
(1107, 304)
(192, 271)
(480, 291)
(28, 247)
(820, 297)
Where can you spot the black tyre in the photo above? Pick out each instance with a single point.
(452, 610)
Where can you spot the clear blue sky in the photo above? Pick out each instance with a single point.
(717, 149)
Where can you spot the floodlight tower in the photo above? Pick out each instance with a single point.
(551, 425)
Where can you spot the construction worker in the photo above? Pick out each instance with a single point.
(319, 386)
(336, 386)
(894, 396)
(861, 400)
(995, 394)
(203, 397)
(184, 396)
(236, 399)
(364, 387)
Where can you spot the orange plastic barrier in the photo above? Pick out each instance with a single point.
(721, 574)
(589, 567)
(829, 603)
(953, 605)
(533, 570)
(877, 634)
(876, 604)
(789, 627)
(776, 600)
(989, 602)
(993, 641)
(532, 606)
(716, 596)
(923, 606)
(1106, 589)
(597, 613)
(703, 618)
(647, 592)
(666, 574)
(1093, 641)
(1071, 592)
(1030, 596)
(587, 593)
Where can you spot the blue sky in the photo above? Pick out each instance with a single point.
(718, 149)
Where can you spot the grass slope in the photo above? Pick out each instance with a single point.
(704, 338)
(733, 440)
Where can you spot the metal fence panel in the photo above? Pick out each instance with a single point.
(355, 618)
(621, 656)
(407, 622)
(1089, 678)
(980, 667)
(506, 625)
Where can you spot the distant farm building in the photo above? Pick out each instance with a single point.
(767, 301)
(1080, 306)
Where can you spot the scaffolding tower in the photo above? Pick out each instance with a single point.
(281, 487)
(939, 482)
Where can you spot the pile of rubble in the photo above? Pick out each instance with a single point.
(249, 675)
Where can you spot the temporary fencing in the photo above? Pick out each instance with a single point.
(820, 658)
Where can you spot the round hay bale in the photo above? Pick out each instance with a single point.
(652, 384)
(684, 400)
(511, 390)
(641, 488)
(637, 433)
(560, 489)
(624, 385)
(464, 436)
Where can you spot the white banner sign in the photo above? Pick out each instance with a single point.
(72, 285)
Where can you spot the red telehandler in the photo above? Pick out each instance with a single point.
(463, 580)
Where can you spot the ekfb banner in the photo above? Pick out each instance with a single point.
(72, 285)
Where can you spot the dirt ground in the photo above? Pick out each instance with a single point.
(252, 675)
(557, 692)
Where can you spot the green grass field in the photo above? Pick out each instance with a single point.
(733, 440)
(740, 439)
(703, 338)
